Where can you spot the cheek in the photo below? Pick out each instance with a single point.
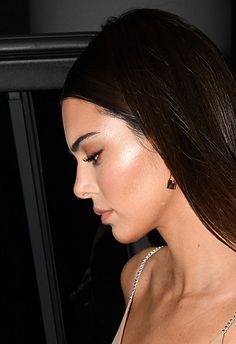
(134, 175)
(119, 174)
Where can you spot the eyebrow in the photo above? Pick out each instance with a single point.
(75, 146)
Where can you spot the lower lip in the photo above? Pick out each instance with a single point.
(104, 216)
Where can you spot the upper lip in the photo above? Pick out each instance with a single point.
(100, 211)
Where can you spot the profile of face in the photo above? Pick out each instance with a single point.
(120, 171)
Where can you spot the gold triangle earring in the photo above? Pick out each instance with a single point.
(171, 184)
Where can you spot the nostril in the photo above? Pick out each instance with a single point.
(85, 195)
(83, 186)
(80, 194)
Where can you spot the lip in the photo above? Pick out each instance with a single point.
(103, 213)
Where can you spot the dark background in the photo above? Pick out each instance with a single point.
(214, 17)
(88, 259)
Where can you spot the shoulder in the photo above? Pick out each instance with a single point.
(130, 269)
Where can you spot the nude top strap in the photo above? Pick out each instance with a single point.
(229, 323)
(120, 332)
(219, 339)
(119, 335)
(140, 270)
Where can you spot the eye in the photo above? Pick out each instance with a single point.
(93, 157)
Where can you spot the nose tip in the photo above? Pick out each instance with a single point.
(83, 195)
(77, 188)
(85, 183)
(77, 192)
(81, 190)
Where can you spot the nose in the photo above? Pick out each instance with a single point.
(85, 185)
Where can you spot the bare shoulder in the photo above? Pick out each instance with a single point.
(130, 269)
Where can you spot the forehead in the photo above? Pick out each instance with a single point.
(81, 117)
(77, 109)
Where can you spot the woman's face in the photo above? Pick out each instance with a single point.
(122, 174)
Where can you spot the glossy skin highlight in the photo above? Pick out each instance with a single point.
(118, 170)
(123, 174)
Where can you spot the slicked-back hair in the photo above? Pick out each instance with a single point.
(170, 83)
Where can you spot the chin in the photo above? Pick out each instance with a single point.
(125, 237)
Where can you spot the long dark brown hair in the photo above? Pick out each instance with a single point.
(169, 82)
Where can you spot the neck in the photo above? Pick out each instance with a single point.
(199, 262)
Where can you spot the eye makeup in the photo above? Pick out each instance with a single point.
(93, 157)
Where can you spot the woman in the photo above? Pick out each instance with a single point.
(149, 114)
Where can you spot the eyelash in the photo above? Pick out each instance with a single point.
(93, 157)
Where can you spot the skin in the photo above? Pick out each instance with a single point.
(136, 169)
(194, 276)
